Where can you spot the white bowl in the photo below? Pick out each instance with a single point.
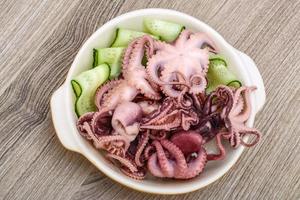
(64, 118)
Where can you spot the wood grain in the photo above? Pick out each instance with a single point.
(38, 42)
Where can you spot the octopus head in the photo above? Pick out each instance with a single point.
(125, 120)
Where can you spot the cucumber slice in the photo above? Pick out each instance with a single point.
(76, 88)
(167, 31)
(95, 56)
(235, 84)
(113, 57)
(125, 36)
(85, 86)
(218, 74)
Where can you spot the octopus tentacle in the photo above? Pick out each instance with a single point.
(141, 146)
(122, 92)
(188, 118)
(246, 112)
(166, 168)
(155, 64)
(133, 70)
(184, 100)
(199, 83)
(222, 153)
(250, 131)
(196, 166)
(138, 175)
(101, 122)
(154, 167)
(101, 91)
(162, 111)
(208, 103)
(198, 101)
(124, 161)
(239, 105)
(183, 38)
(107, 142)
(149, 150)
(87, 117)
(166, 127)
(167, 118)
(181, 164)
(160, 45)
(190, 142)
(198, 40)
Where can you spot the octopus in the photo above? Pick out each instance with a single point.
(235, 112)
(181, 157)
(156, 117)
(183, 64)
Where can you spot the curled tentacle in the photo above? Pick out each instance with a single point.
(250, 131)
(222, 153)
(87, 117)
(138, 175)
(140, 148)
(159, 113)
(120, 93)
(188, 119)
(181, 165)
(101, 91)
(123, 161)
(198, 83)
(116, 144)
(197, 165)
(101, 123)
(149, 150)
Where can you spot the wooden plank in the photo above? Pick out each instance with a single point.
(39, 40)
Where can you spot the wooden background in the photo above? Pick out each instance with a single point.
(38, 42)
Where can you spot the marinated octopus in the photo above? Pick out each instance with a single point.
(156, 117)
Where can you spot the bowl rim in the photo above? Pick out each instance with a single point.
(102, 166)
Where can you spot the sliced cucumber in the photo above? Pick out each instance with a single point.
(76, 88)
(95, 56)
(219, 74)
(167, 31)
(125, 36)
(113, 57)
(235, 84)
(85, 86)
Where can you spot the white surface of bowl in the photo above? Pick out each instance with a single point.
(64, 117)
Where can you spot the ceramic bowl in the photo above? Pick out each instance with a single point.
(64, 117)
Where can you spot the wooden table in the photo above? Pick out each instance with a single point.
(38, 42)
